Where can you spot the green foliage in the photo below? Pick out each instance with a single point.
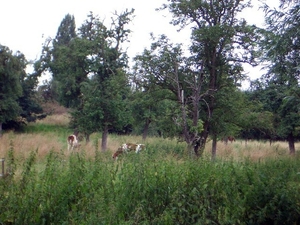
(279, 89)
(66, 31)
(88, 68)
(211, 70)
(229, 113)
(66, 60)
(18, 103)
(31, 109)
(168, 123)
(289, 112)
(150, 188)
(11, 163)
(198, 128)
(12, 67)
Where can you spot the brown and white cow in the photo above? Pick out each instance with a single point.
(132, 147)
(72, 142)
(127, 147)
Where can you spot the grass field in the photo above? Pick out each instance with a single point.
(252, 183)
(51, 133)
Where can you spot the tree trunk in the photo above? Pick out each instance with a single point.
(199, 145)
(87, 138)
(104, 138)
(200, 142)
(146, 128)
(0, 130)
(214, 148)
(291, 142)
(191, 150)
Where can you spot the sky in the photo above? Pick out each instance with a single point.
(26, 24)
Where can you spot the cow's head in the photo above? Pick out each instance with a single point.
(117, 153)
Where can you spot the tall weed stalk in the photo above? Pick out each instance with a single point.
(151, 187)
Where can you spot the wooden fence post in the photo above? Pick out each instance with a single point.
(2, 163)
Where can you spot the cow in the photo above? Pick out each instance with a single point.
(127, 147)
(117, 153)
(228, 138)
(72, 142)
(231, 138)
(132, 147)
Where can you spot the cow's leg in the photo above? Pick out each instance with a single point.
(138, 148)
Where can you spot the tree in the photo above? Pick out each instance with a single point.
(12, 67)
(88, 70)
(150, 104)
(105, 93)
(258, 119)
(29, 103)
(165, 66)
(66, 31)
(220, 44)
(19, 98)
(229, 111)
(281, 45)
(66, 60)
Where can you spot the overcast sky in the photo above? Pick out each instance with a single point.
(25, 24)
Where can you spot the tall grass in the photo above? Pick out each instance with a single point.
(51, 133)
(151, 189)
(247, 184)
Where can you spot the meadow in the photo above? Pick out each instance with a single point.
(248, 183)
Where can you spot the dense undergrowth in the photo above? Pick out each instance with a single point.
(157, 186)
(160, 185)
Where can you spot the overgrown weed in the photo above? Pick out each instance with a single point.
(255, 183)
(152, 187)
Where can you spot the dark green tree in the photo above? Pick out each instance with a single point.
(29, 102)
(85, 118)
(66, 31)
(281, 46)
(66, 60)
(258, 119)
(105, 94)
(150, 105)
(29, 109)
(12, 68)
(228, 114)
